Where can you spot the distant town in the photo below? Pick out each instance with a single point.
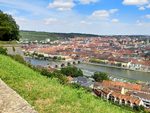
(127, 52)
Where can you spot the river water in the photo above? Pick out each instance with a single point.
(115, 72)
(89, 69)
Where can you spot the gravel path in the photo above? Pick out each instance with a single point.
(11, 102)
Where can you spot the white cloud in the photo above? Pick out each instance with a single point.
(103, 14)
(139, 23)
(141, 4)
(147, 16)
(49, 21)
(83, 22)
(115, 20)
(135, 2)
(142, 8)
(62, 5)
(87, 1)
(113, 11)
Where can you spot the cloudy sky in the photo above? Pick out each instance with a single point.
(106, 17)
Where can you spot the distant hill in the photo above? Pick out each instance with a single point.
(34, 35)
(37, 35)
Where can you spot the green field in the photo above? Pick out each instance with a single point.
(48, 95)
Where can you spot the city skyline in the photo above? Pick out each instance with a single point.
(103, 17)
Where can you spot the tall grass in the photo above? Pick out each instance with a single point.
(48, 95)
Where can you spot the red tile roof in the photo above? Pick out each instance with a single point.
(121, 84)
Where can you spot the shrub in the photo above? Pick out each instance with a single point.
(3, 51)
(18, 58)
(62, 78)
(100, 76)
(75, 85)
(139, 109)
(45, 72)
(93, 60)
(72, 71)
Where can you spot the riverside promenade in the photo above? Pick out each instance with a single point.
(11, 102)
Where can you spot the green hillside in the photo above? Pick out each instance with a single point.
(34, 35)
(48, 95)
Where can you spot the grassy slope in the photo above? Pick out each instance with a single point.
(47, 95)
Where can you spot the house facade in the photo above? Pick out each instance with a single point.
(120, 92)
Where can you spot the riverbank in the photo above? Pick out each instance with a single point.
(105, 65)
(90, 69)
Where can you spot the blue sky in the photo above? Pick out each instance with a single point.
(106, 17)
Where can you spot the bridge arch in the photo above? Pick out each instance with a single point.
(62, 65)
(79, 61)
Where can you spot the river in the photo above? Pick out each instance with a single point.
(89, 69)
(115, 72)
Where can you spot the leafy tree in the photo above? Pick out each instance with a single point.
(63, 58)
(55, 58)
(3, 51)
(59, 58)
(72, 71)
(9, 30)
(100, 76)
(40, 55)
(118, 64)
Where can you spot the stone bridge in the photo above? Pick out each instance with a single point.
(69, 63)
